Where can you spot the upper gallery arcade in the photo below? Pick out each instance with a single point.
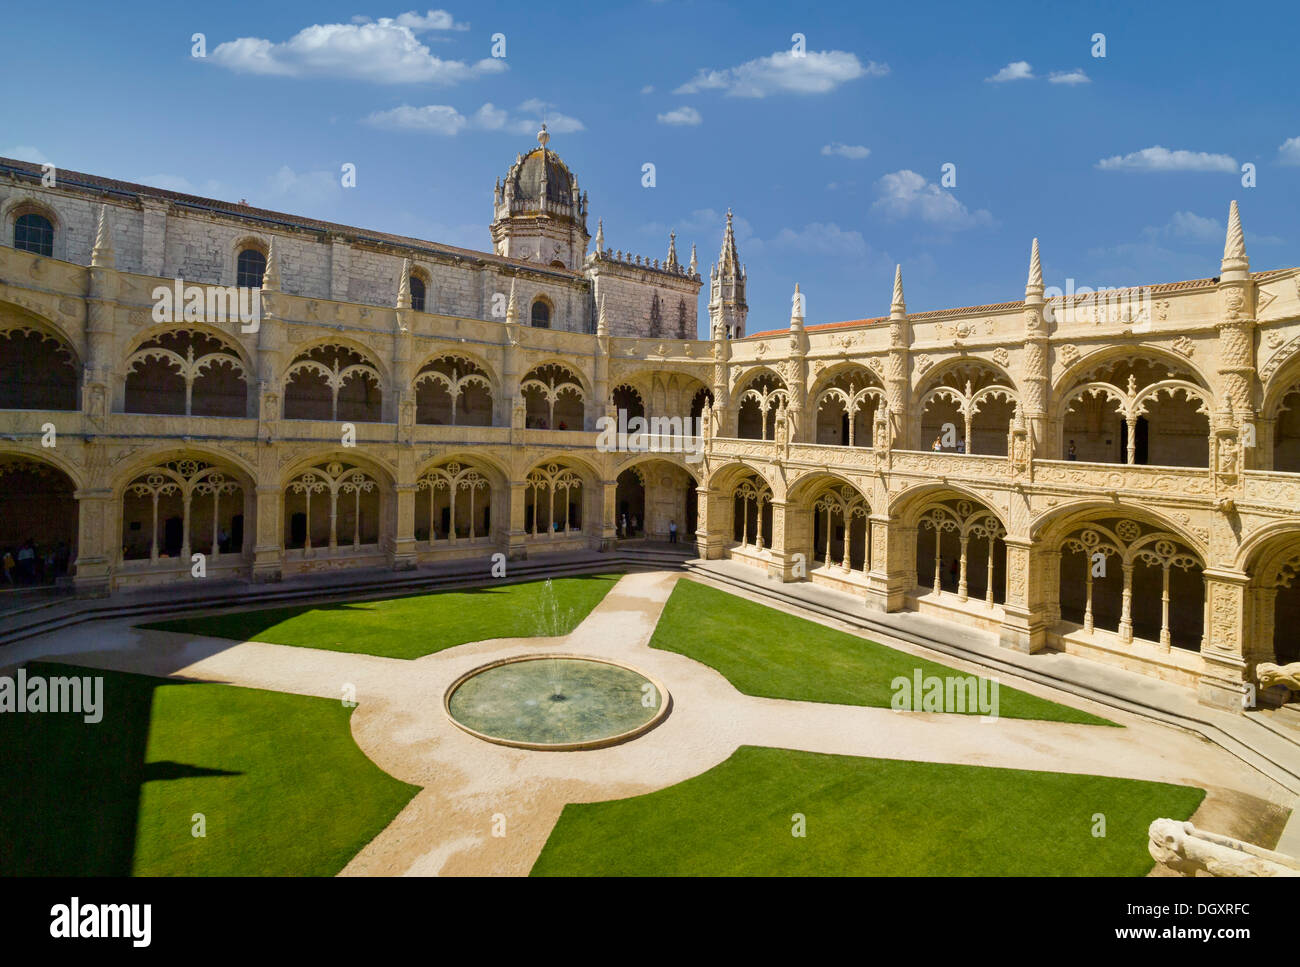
(972, 463)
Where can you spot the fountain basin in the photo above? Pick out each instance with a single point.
(556, 702)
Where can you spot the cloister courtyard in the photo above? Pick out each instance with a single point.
(318, 738)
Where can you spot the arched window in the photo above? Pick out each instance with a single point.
(541, 315)
(34, 233)
(417, 293)
(249, 269)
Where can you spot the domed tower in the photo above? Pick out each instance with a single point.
(538, 213)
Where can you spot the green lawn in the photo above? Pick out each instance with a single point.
(772, 654)
(866, 817)
(414, 625)
(282, 785)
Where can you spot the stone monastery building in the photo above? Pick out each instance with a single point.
(1116, 477)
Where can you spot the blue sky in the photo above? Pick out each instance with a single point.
(1123, 166)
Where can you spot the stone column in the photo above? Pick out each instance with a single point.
(791, 535)
(515, 548)
(1238, 376)
(98, 518)
(97, 390)
(402, 555)
(268, 521)
(1226, 650)
(608, 512)
(1025, 612)
(893, 563)
(714, 529)
(1035, 369)
(897, 373)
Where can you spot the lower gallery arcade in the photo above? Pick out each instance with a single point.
(1121, 583)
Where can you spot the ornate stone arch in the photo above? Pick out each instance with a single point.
(324, 360)
(208, 490)
(759, 393)
(546, 483)
(970, 386)
(17, 451)
(39, 365)
(1092, 362)
(855, 389)
(338, 484)
(1128, 400)
(459, 375)
(965, 520)
(1129, 541)
(909, 504)
(449, 482)
(546, 389)
(189, 353)
(678, 460)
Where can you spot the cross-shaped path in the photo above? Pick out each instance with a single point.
(471, 788)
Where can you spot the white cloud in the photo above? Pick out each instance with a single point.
(383, 52)
(1162, 159)
(815, 238)
(906, 194)
(307, 191)
(1288, 153)
(432, 20)
(1186, 225)
(537, 111)
(704, 225)
(433, 118)
(209, 189)
(418, 23)
(682, 115)
(25, 152)
(1017, 70)
(815, 72)
(1076, 76)
(445, 120)
(648, 89)
(1190, 227)
(854, 152)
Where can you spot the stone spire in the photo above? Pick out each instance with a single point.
(1236, 264)
(897, 385)
(102, 255)
(600, 236)
(695, 262)
(1034, 287)
(404, 286)
(271, 277)
(512, 307)
(602, 323)
(727, 307)
(671, 261)
(728, 261)
(796, 308)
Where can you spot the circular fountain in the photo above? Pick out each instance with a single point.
(556, 702)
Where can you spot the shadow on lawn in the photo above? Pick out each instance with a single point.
(72, 788)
